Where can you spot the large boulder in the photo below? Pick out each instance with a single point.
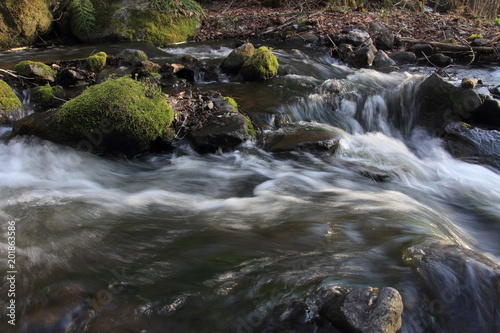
(117, 116)
(22, 22)
(262, 65)
(440, 102)
(10, 105)
(139, 20)
(365, 310)
(235, 60)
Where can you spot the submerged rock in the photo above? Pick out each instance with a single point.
(302, 136)
(10, 105)
(262, 65)
(365, 310)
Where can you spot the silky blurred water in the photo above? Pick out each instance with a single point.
(226, 242)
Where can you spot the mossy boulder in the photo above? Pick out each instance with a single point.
(36, 70)
(262, 65)
(10, 105)
(117, 116)
(22, 22)
(137, 20)
(235, 60)
(46, 97)
(133, 55)
(97, 62)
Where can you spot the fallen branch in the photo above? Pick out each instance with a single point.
(11, 73)
(290, 22)
(452, 47)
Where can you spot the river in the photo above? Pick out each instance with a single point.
(229, 242)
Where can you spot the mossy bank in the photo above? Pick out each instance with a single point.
(139, 20)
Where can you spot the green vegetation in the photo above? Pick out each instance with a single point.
(97, 61)
(231, 102)
(127, 115)
(160, 28)
(83, 15)
(185, 8)
(9, 102)
(44, 95)
(262, 65)
(34, 69)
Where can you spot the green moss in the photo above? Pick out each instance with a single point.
(9, 102)
(160, 28)
(262, 65)
(33, 68)
(250, 127)
(124, 114)
(97, 61)
(44, 95)
(231, 102)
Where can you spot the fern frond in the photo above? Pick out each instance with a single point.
(178, 7)
(83, 13)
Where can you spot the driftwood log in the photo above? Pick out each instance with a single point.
(453, 47)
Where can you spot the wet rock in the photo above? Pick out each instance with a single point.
(132, 55)
(487, 115)
(145, 68)
(383, 38)
(223, 132)
(468, 83)
(364, 55)
(403, 57)
(366, 310)
(10, 106)
(235, 60)
(354, 37)
(421, 50)
(302, 136)
(37, 124)
(440, 60)
(170, 69)
(37, 70)
(454, 283)
(440, 103)
(187, 73)
(382, 60)
(73, 76)
(473, 144)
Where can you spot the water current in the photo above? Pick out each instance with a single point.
(228, 242)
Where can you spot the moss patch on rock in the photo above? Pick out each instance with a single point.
(35, 69)
(10, 105)
(117, 116)
(231, 102)
(262, 65)
(43, 97)
(97, 61)
(23, 21)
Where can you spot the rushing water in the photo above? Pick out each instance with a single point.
(228, 242)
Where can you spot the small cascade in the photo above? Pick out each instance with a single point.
(366, 101)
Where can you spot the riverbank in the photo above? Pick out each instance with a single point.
(244, 21)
